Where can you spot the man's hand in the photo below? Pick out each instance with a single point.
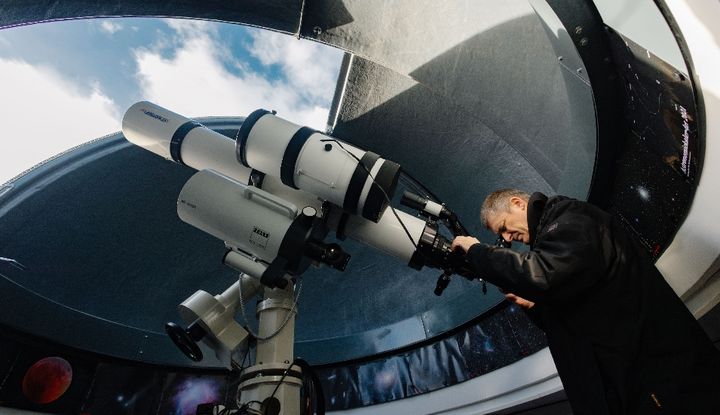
(527, 304)
(463, 242)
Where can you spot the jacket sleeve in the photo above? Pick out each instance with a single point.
(567, 260)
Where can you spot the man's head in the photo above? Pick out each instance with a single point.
(504, 212)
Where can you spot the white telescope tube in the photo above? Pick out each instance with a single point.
(245, 217)
(307, 159)
(181, 139)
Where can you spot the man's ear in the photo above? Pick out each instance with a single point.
(518, 202)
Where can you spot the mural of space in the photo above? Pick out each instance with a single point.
(47, 380)
(183, 393)
(124, 390)
(657, 163)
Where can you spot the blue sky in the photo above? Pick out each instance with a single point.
(50, 73)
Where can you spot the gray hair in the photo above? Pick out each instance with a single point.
(499, 201)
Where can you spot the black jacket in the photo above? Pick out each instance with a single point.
(622, 341)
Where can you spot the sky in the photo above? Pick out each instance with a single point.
(65, 83)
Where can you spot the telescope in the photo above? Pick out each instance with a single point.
(273, 195)
(283, 164)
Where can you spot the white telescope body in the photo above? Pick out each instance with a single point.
(245, 217)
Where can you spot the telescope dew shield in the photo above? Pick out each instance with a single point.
(182, 140)
(314, 162)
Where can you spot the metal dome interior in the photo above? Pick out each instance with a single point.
(108, 189)
(467, 98)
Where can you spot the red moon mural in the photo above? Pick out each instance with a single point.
(47, 380)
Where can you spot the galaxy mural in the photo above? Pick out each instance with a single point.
(499, 338)
(45, 380)
(182, 393)
(124, 390)
(658, 164)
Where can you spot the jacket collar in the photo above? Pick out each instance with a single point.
(536, 205)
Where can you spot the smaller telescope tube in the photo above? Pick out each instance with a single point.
(418, 202)
(182, 140)
(245, 264)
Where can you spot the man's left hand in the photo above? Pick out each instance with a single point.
(463, 242)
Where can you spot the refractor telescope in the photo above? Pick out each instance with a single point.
(273, 195)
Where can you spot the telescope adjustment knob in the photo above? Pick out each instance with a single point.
(186, 339)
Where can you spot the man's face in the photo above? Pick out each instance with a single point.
(512, 225)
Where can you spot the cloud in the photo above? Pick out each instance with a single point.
(195, 80)
(310, 67)
(44, 114)
(190, 72)
(110, 27)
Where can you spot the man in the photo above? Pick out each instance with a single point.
(622, 341)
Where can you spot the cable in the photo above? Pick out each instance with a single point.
(407, 181)
(241, 366)
(453, 223)
(407, 232)
(287, 317)
(313, 389)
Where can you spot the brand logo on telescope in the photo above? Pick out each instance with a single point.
(153, 115)
(260, 232)
(259, 237)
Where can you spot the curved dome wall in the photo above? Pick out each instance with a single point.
(486, 104)
(102, 249)
(492, 124)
